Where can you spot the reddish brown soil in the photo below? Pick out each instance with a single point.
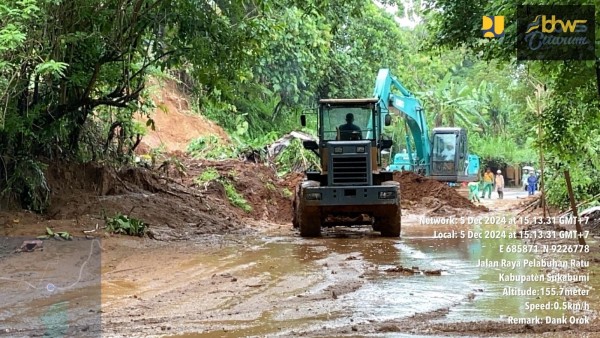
(416, 189)
(175, 127)
(171, 203)
(269, 196)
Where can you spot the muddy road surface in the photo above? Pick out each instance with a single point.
(350, 283)
(268, 282)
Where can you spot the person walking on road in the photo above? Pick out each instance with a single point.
(500, 184)
(531, 183)
(488, 183)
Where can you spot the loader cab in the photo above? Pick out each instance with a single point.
(349, 148)
(347, 120)
(450, 160)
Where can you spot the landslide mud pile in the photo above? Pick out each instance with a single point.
(418, 191)
(171, 200)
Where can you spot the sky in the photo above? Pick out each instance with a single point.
(404, 21)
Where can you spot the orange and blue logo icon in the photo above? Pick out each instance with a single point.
(493, 26)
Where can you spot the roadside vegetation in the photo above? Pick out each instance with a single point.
(74, 74)
(235, 198)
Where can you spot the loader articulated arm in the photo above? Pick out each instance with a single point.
(408, 106)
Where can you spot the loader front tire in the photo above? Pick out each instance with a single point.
(310, 221)
(296, 208)
(389, 223)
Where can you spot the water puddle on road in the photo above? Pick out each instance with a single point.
(52, 290)
(464, 291)
(469, 291)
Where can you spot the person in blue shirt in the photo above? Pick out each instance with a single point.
(531, 183)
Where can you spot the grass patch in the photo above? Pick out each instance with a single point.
(211, 148)
(207, 175)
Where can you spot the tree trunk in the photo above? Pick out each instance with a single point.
(574, 208)
(438, 120)
(79, 120)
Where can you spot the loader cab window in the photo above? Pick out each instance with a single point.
(444, 147)
(349, 123)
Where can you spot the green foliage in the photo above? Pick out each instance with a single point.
(503, 149)
(123, 224)
(583, 180)
(294, 56)
(74, 73)
(234, 197)
(207, 175)
(294, 158)
(27, 183)
(210, 147)
(563, 95)
(56, 235)
(361, 45)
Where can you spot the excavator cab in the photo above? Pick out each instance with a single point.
(450, 160)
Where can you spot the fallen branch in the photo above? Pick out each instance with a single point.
(436, 208)
(564, 213)
(534, 203)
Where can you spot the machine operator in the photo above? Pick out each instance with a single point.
(350, 131)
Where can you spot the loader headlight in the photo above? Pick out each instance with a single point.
(313, 196)
(360, 149)
(385, 195)
(338, 150)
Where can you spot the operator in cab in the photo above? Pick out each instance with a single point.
(350, 131)
(448, 153)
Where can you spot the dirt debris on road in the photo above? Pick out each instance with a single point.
(226, 276)
(421, 192)
(174, 204)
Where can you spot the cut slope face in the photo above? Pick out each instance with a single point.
(175, 127)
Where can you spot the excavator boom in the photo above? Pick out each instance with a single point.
(445, 156)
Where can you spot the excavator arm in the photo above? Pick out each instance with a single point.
(452, 162)
(407, 105)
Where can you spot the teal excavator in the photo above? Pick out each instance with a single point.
(444, 157)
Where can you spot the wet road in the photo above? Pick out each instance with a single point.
(345, 284)
(286, 285)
